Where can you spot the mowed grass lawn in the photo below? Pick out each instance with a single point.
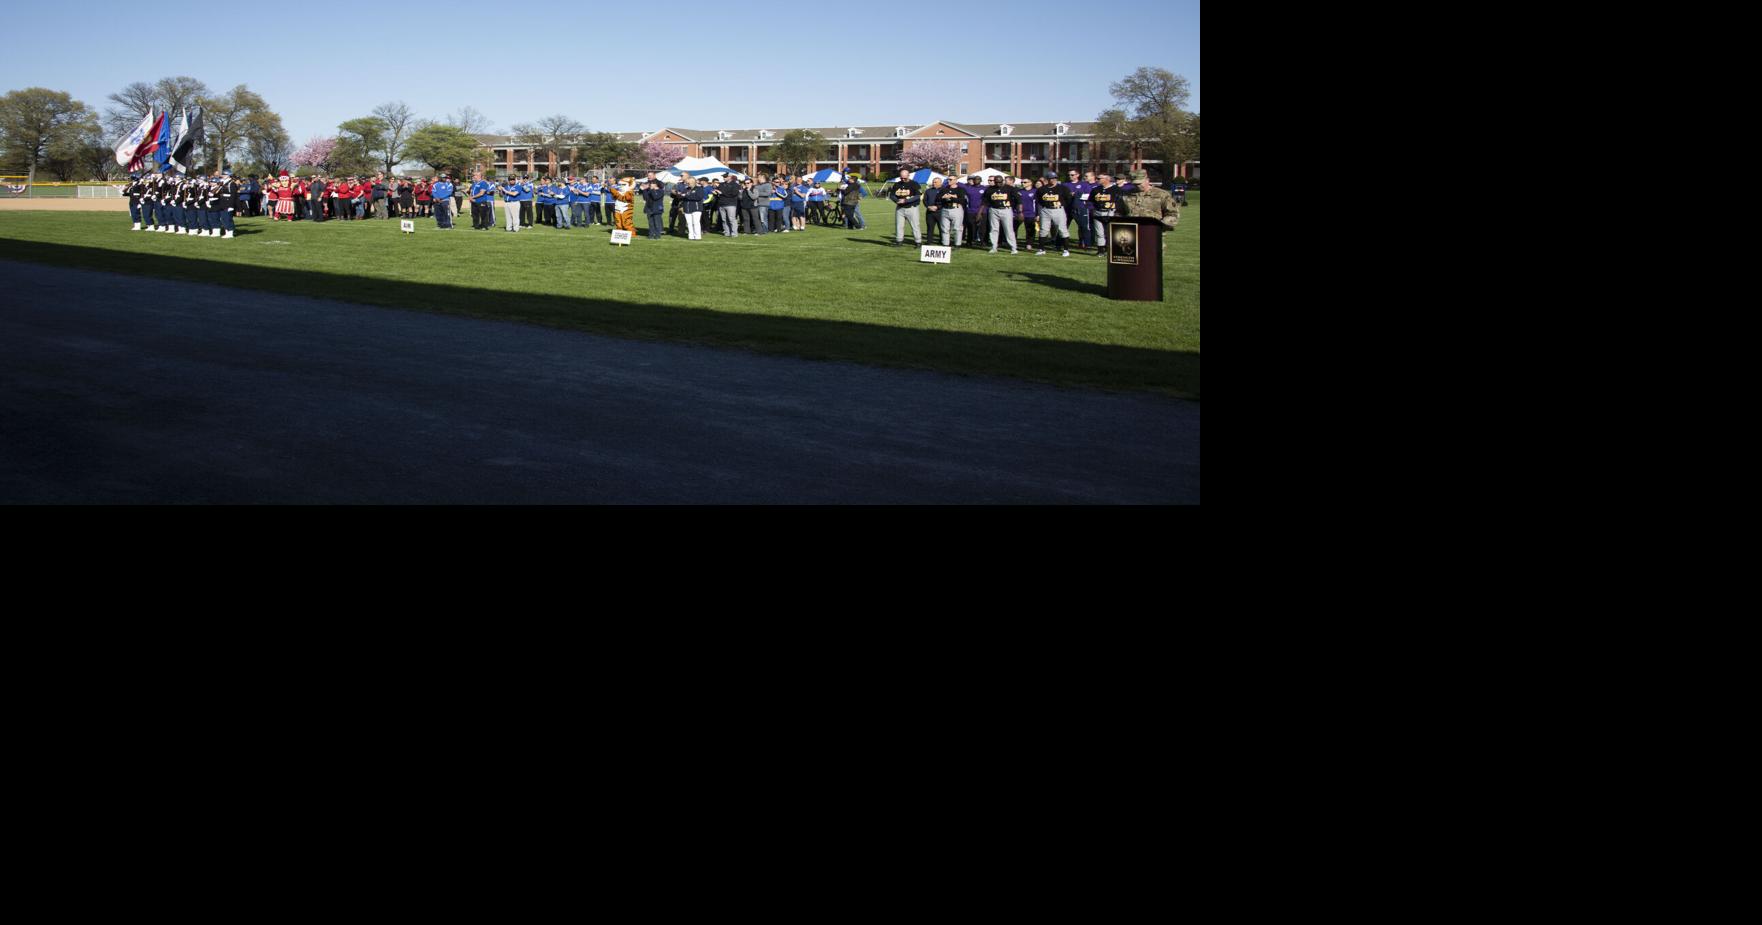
(825, 293)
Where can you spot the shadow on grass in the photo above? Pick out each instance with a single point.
(884, 243)
(1058, 282)
(1052, 361)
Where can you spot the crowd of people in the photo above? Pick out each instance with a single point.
(357, 198)
(191, 204)
(1051, 212)
(1043, 212)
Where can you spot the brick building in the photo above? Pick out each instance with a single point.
(1022, 149)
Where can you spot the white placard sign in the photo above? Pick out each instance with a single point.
(620, 237)
(408, 226)
(928, 254)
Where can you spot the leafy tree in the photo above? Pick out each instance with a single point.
(1150, 118)
(797, 149)
(35, 120)
(600, 150)
(228, 120)
(443, 147)
(266, 142)
(356, 144)
(81, 153)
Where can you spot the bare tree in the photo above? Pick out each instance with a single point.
(554, 135)
(133, 102)
(470, 121)
(399, 123)
(176, 93)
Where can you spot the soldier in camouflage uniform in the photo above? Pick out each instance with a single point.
(1149, 202)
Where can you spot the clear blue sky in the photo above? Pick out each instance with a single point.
(862, 71)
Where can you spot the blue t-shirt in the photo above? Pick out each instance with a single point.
(483, 191)
(441, 190)
(525, 192)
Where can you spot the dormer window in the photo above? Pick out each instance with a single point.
(1005, 129)
(899, 131)
(724, 136)
(853, 133)
(767, 133)
(1060, 129)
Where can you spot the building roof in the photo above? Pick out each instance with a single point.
(839, 132)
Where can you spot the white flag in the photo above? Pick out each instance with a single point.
(126, 148)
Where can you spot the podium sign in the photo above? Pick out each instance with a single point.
(1134, 259)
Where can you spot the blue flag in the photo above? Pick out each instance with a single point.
(162, 154)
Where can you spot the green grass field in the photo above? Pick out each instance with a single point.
(825, 293)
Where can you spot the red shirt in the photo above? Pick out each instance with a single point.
(422, 192)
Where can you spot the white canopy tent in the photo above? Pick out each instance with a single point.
(703, 167)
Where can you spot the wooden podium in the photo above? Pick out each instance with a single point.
(1134, 259)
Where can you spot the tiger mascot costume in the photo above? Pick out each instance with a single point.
(623, 217)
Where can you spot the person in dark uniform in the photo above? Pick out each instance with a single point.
(906, 195)
(951, 207)
(483, 204)
(653, 204)
(1001, 202)
(133, 191)
(1054, 201)
(1104, 205)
